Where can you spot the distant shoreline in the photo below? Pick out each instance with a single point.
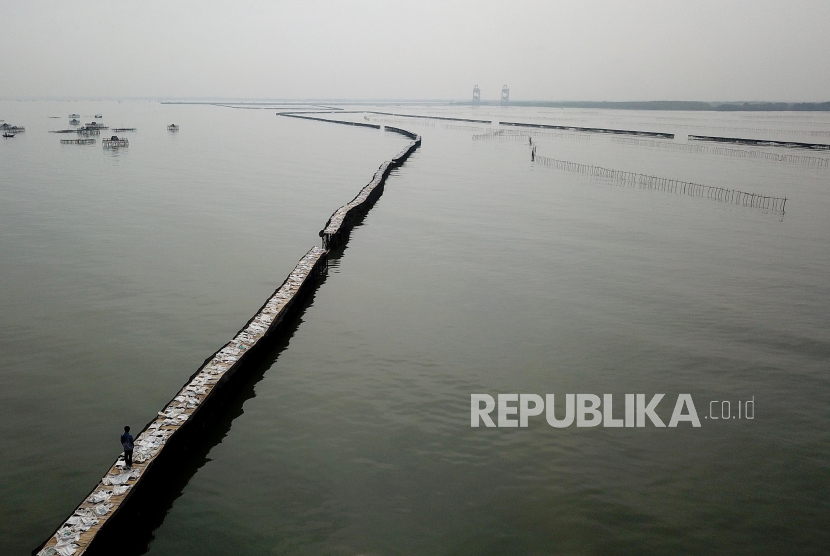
(679, 105)
(685, 105)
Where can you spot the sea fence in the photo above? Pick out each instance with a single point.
(445, 118)
(644, 181)
(462, 127)
(762, 142)
(336, 230)
(342, 122)
(760, 130)
(657, 134)
(797, 159)
(662, 145)
(423, 123)
(107, 514)
(809, 161)
(512, 135)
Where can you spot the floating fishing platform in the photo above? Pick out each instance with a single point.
(12, 128)
(595, 130)
(95, 125)
(94, 523)
(74, 122)
(173, 127)
(77, 141)
(115, 141)
(762, 142)
(88, 131)
(74, 115)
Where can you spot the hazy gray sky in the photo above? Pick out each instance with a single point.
(568, 50)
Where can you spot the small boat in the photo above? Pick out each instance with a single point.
(98, 116)
(172, 127)
(7, 135)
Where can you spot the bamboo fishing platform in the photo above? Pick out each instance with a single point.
(114, 142)
(77, 141)
(87, 527)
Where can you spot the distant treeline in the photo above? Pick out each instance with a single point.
(675, 105)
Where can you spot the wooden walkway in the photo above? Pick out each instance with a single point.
(101, 507)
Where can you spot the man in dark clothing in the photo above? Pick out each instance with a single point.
(127, 443)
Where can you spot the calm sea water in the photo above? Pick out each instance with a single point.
(476, 272)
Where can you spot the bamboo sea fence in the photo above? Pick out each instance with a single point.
(602, 130)
(703, 149)
(762, 142)
(417, 116)
(97, 523)
(462, 127)
(512, 135)
(795, 159)
(423, 123)
(809, 161)
(644, 181)
(761, 130)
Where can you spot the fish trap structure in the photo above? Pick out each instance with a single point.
(114, 142)
(734, 196)
(94, 524)
(77, 141)
(172, 127)
(120, 129)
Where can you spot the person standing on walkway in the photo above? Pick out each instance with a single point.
(127, 443)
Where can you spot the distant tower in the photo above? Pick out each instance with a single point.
(505, 95)
(476, 94)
